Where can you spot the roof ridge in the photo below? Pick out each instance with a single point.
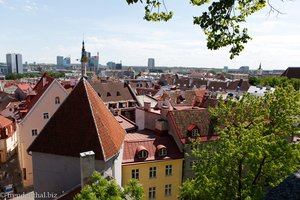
(90, 106)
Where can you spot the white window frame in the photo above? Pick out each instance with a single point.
(168, 190)
(169, 170)
(195, 132)
(135, 174)
(152, 172)
(152, 193)
(162, 152)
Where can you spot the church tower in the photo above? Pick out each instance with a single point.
(259, 70)
(83, 60)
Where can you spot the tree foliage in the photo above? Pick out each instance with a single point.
(15, 76)
(221, 22)
(103, 189)
(254, 152)
(274, 81)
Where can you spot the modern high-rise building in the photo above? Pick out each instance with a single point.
(60, 60)
(14, 63)
(67, 61)
(151, 63)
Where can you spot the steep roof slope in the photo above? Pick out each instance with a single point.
(82, 123)
(292, 72)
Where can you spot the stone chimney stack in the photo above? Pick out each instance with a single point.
(147, 106)
(87, 166)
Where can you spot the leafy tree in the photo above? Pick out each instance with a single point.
(254, 152)
(103, 189)
(274, 81)
(221, 22)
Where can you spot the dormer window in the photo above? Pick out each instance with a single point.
(161, 150)
(118, 93)
(142, 152)
(108, 94)
(195, 132)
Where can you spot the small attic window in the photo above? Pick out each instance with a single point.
(108, 94)
(161, 150)
(118, 93)
(142, 152)
(195, 132)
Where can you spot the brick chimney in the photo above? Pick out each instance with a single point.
(87, 166)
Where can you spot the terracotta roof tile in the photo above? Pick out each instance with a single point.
(197, 117)
(39, 90)
(4, 121)
(82, 123)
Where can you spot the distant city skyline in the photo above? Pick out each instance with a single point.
(42, 30)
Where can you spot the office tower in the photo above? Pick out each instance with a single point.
(14, 63)
(151, 62)
(67, 61)
(60, 60)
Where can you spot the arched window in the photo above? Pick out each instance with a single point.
(161, 150)
(141, 152)
(57, 100)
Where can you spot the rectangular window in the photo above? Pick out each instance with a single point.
(152, 172)
(195, 132)
(135, 173)
(152, 192)
(34, 132)
(168, 170)
(46, 115)
(168, 190)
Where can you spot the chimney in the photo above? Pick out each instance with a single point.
(87, 166)
(44, 81)
(147, 106)
(164, 111)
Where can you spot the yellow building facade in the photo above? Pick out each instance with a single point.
(163, 185)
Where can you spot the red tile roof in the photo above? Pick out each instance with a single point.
(25, 87)
(197, 118)
(4, 121)
(39, 90)
(148, 140)
(82, 123)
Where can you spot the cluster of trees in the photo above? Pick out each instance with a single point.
(275, 81)
(103, 189)
(15, 76)
(254, 152)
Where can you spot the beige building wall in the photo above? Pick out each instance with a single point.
(35, 120)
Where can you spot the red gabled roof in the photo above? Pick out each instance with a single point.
(82, 123)
(199, 118)
(39, 90)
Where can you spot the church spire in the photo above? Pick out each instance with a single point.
(83, 60)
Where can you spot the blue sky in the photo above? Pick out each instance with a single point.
(42, 29)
